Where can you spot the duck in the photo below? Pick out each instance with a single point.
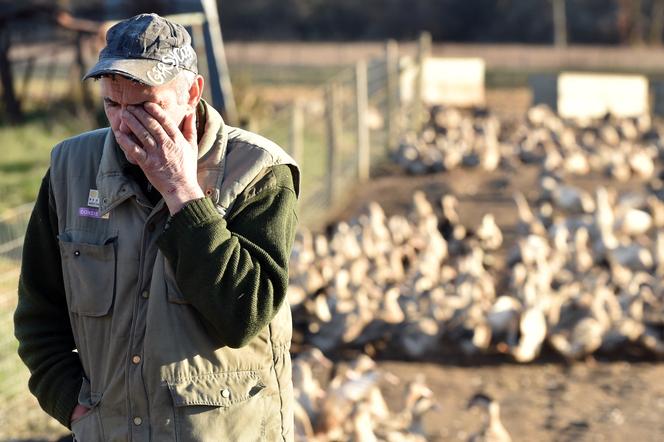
(492, 429)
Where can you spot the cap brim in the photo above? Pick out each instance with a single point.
(139, 70)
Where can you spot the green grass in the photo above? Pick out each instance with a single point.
(284, 74)
(25, 154)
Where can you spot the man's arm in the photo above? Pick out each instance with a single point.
(235, 272)
(41, 320)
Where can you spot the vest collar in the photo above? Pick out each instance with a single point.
(115, 187)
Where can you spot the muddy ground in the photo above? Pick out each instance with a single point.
(552, 401)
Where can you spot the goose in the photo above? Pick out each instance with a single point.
(642, 164)
(363, 423)
(491, 238)
(576, 163)
(528, 223)
(533, 330)
(584, 339)
(493, 429)
(656, 209)
(503, 318)
(417, 338)
(659, 253)
(633, 222)
(303, 429)
(572, 200)
(343, 392)
(631, 256)
(491, 155)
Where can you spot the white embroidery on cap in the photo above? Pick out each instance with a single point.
(176, 58)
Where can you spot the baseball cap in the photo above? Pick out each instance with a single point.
(147, 48)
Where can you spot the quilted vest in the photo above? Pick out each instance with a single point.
(152, 372)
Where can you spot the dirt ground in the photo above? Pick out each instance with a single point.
(616, 399)
(602, 401)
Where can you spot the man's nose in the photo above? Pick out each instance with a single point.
(123, 122)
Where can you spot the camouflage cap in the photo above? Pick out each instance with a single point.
(146, 48)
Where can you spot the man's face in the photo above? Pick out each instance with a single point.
(119, 92)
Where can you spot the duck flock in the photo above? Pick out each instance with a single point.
(581, 274)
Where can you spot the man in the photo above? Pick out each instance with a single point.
(151, 299)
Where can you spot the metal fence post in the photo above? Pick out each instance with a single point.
(392, 71)
(362, 105)
(423, 53)
(332, 120)
(297, 133)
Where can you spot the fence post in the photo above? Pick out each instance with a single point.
(392, 71)
(423, 53)
(332, 120)
(198, 34)
(297, 133)
(362, 104)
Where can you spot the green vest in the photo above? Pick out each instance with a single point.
(153, 373)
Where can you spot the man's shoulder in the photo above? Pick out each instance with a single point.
(241, 138)
(248, 147)
(87, 140)
(73, 153)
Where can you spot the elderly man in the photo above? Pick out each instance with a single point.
(152, 293)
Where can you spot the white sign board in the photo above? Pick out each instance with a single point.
(448, 81)
(582, 95)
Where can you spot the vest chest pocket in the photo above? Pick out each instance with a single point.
(224, 406)
(89, 271)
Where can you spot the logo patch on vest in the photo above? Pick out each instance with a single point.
(93, 198)
(91, 213)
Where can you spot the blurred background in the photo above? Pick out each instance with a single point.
(480, 252)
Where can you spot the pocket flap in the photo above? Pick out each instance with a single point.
(219, 389)
(89, 275)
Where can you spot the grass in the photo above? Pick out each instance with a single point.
(25, 154)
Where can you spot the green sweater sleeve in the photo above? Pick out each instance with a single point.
(235, 271)
(41, 319)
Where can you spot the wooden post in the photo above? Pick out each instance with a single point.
(656, 22)
(297, 133)
(12, 105)
(362, 107)
(423, 53)
(220, 81)
(392, 71)
(203, 68)
(559, 24)
(27, 75)
(87, 111)
(332, 120)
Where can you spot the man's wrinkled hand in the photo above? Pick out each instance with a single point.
(167, 156)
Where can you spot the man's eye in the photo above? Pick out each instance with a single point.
(111, 103)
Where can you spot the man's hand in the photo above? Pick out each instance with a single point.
(79, 411)
(167, 156)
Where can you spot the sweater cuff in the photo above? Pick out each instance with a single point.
(64, 406)
(192, 214)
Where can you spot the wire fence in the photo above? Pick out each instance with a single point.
(344, 132)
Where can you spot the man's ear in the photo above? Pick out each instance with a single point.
(196, 92)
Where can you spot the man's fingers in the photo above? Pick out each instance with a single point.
(153, 126)
(139, 130)
(131, 149)
(189, 129)
(162, 118)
